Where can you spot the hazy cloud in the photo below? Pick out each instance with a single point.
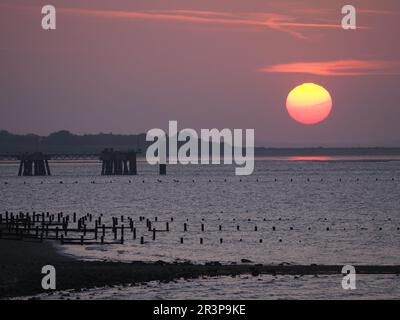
(338, 68)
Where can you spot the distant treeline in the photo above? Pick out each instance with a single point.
(66, 142)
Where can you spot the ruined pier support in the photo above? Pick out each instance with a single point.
(34, 164)
(118, 163)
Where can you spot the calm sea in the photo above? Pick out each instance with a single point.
(304, 210)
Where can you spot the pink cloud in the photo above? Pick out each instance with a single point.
(285, 23)
(338, 68)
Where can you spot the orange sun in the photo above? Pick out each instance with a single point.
(309, 103)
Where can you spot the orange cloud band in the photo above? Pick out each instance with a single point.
(338, 68)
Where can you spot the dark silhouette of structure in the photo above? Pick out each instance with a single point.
(113, 162)
(118, 163)
(163, 169)
(35, 164)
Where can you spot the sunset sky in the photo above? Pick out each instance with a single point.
(127, 66)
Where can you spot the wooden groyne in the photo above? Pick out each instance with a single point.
(71, 229)
(88, 229)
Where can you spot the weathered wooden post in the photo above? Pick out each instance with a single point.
(163, 169)
(131, 156)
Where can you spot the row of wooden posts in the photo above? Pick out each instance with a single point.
(85, 230)
(69, 229)
(163, 172)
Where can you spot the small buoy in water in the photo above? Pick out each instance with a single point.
(327, 229)
(261, 241)
(280, 240)
(291, 228)
(61, 182)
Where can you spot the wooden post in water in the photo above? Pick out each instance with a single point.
(163, 169)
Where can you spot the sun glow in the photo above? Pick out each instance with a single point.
(309, 103)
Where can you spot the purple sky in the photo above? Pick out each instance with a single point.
(128, 66)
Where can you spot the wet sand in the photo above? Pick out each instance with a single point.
(21, 264)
